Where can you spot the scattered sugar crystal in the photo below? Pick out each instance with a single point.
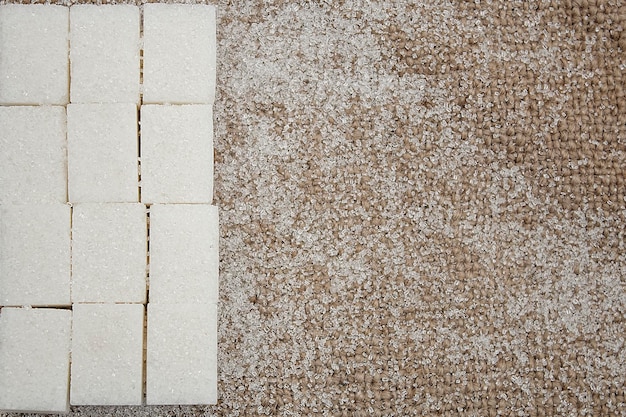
(102, 152)
(107, 354)
(34, 359)
(181, 354)
(179, 53)
(33, 54)
(104, 53)
(32, 155)
(184, 253)
(109, 250)
(176, 154)
(35, 255)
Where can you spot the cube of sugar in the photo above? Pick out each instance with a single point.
(184, 258)
(34, 65)
(35, 255)
(179, 53)
(34, 359)
(32, 155)
(181, 365)
(109, 253)
(102, 153)
(104, 54)
(176, 154)
(107, 354)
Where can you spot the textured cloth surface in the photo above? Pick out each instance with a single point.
(422, 209)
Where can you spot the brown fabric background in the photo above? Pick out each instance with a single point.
(422, 209)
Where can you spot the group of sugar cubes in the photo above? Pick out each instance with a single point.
(74, 277)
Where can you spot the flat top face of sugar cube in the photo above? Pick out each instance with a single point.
(182, 354)
(179, 53)
(176, 154)
(34, 359)
(34, 54)
(35, 255)
(184, 253)
(33, 155)
(102, 152)
(104, 53)
(107, 354)
(109, 250)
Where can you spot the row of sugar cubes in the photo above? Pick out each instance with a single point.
(54, 255)
(128, 191)
(107, 355)
(104, 54)
(91, 154)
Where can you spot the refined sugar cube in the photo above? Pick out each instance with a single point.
(176, 154)
(181, 363)
(184, 253)
(34, 359)
(102, 153)
(179, 53)
(109, 252)
(105, 206)
(32, 154)
(33, 54)
(35, 255)
(104, 54)
(107, 354)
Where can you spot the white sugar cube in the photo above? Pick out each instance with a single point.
(109, 252)
(102, 153)
(32, 155)
(107, 354)
(35, 255)
(33, 54)
(104, 54)
(184, 253)
(176, 154)
(179, 53)
(34, 359)
(181, 354)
